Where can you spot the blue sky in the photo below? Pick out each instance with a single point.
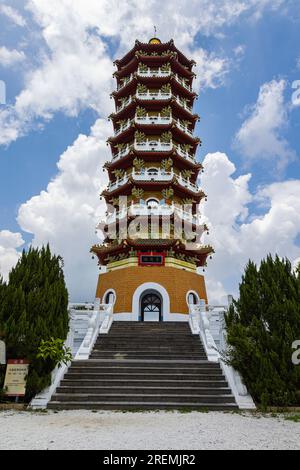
(242, 55)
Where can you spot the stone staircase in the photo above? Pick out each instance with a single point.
(145, 366)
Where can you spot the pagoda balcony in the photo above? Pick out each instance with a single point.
(183, 128)
(153, 120)
(187, 184)
(124, 104)
(154, 72)
(184, 154)
(154, 95)
(152, 175)
(116, 184)
(122, 153)
(153, 146)
(182, 103)
(124, 127)
(183, 83)
(161, 210)
(125, 82)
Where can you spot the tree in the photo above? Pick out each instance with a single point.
(33, 308)
(261, 327)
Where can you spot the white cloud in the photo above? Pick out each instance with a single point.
(211, 70)
(236, 237)
(74, 41)
(10, 57)
(9, 253)
(260, 135)
(13, 15)
(66, 214)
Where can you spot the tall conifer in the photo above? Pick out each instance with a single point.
(34, 307)
(261, 327)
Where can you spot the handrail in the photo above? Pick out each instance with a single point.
(94, 326)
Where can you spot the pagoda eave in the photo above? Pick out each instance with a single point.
(126, 161)
(154, 48)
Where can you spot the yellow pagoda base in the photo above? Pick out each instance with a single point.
(170, 288)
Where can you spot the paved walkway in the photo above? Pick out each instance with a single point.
(161, 430)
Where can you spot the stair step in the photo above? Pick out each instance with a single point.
(94, 390)
(145, 366)
(144, 383)
(147, 397)
(92, 363)
(137, 405)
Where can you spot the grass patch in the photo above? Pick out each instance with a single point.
(294, 418)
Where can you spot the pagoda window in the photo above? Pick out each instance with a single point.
(152, 171)
(193, 298)
(110, 298)
(152, 203)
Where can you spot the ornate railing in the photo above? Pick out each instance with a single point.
(153, 146)
(153, 120)
(184, 104)
(150, 175)
(182, 82)
(199, 316)
(154, 72)
(124, 104)
(125, 82)
(154, 95)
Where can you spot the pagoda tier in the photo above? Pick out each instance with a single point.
(155, 51)
(153, 159)
(108, 253)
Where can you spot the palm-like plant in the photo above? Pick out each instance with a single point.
(166, 67)
(166, 137)
(141, 112)
(137, 193)
(187, 174)
(166, 88)
(166, 112)
(138, 163)
(119, 173)
(140, 137)
(141, 88)
(168, 193)
(167, 164)
(143, 67)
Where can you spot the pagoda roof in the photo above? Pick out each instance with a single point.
(102, 251)
(158, 47)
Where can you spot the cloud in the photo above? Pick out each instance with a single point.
(237, 234)
(9, 253)
(13, 15)
(260, 136)
(211, 70)
(10, 57)
(66, 214)
(76, 42)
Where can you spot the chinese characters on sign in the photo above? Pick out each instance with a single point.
(15, 378)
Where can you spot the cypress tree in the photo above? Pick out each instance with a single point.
(261, 327)
(34, 307)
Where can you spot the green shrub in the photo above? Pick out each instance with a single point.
(34, 307)
(261, 327)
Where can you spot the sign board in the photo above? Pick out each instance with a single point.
(2, 353)
(15, 378)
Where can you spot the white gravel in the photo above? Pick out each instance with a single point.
(105, 430)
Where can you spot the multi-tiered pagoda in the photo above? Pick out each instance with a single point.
(152, 249)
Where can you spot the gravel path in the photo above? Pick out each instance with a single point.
(153, 430)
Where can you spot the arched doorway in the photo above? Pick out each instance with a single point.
(151, 306)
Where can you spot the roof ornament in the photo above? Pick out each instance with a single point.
(155, 39)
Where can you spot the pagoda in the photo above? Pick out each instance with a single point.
(151, 256)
